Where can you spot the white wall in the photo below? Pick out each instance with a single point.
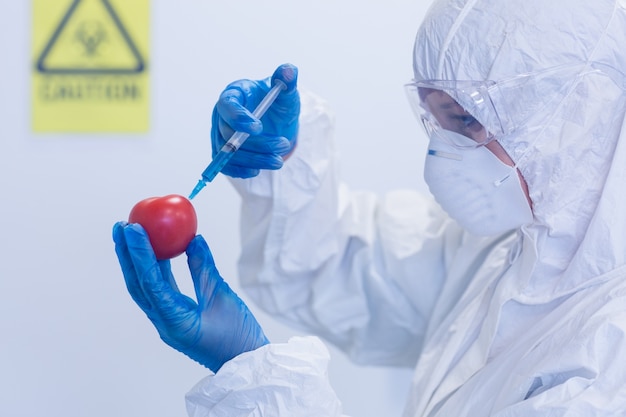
(72, 342)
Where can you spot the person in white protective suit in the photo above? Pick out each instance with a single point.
(507, 291)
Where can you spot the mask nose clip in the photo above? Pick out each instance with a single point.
(447, 155)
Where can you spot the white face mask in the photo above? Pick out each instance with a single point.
(475, 188)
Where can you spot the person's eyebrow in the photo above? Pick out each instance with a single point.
(448, 105)
(451, 104)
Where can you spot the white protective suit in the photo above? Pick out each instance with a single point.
(532, 323)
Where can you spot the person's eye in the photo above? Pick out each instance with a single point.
(468, 121)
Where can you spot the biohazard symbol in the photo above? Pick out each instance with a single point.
(90, 40)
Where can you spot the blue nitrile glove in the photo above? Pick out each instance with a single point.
(272, 138)
(212, 330)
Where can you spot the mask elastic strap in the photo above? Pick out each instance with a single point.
(501, 181)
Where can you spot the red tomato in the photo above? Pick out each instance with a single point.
(170, 222)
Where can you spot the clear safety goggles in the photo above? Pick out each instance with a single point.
(440, 113)
(445, 106)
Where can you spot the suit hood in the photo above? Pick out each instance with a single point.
(557, 70)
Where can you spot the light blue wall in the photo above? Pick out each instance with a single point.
(73, 343)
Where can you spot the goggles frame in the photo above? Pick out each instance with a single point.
(498, 105)
(473, 97)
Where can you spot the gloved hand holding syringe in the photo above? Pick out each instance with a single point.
(237, 139)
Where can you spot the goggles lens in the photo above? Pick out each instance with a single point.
(449, 108)
(441, 114)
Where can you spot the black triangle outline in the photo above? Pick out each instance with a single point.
(41, 67)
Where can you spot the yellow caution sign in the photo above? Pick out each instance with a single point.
(90, 70)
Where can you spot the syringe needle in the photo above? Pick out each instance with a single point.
(197, 188)
(236, 140)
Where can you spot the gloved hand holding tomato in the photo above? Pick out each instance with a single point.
(213, 328)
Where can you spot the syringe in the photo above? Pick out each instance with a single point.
(236, 140)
